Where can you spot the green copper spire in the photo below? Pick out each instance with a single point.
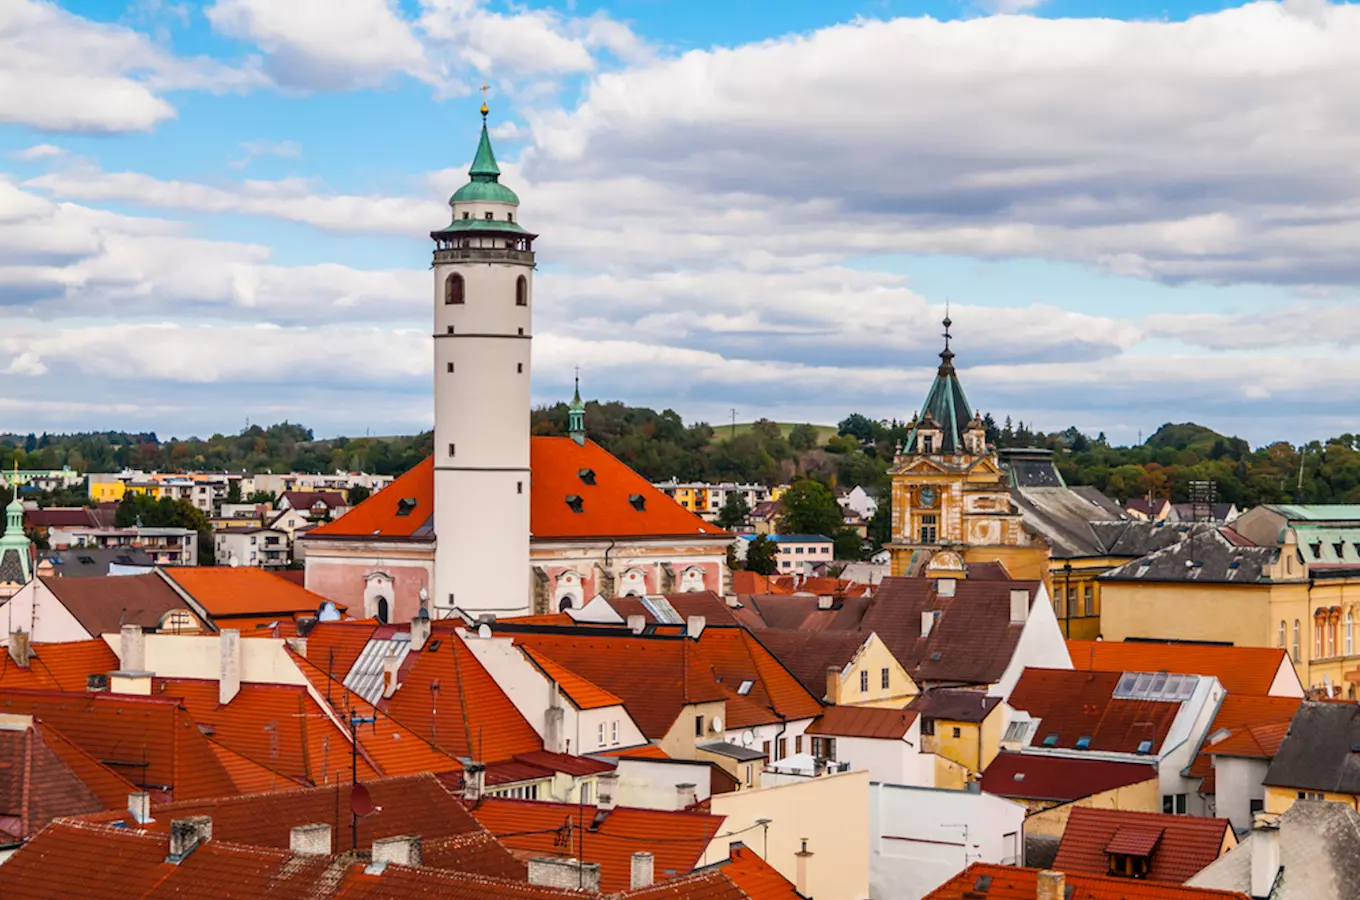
(485, 186)
(946, 404)
(16, 550)
(576, 415)
(484, 166)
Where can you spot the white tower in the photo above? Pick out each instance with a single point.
(483, 299)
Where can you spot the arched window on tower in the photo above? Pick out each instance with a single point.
(382, 610)
(522, 291)
(453, 289)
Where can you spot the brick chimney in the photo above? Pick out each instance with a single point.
(833, 685)
(552, 871)
(20, 650)
(474, 782)
(403, 850)
(310, 840)
(229, 676)
(1050, 885)
(642, 871)
(185, 836)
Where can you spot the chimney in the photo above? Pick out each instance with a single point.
(1019, 605)
(685, 796)
(391, 668)
(474, 782)
(310, 840)
(1050, 885)
(825, 601)
(694, 626)
(945, 587)
(732, 601)
(299, 645)
(643, 870)
(1265, 856)
(420, 630)
(139, 807)
(554, 729)
(607, 790)
(833, 685)
(403, 850)
(553, 871)
(132, 649)
(19, 649)
(927, 622)
(800, 877)
(637, 624)
(186, 834)
(229, 679)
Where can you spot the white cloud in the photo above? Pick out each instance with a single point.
(38, 152)
(255, 149)
(61, 72)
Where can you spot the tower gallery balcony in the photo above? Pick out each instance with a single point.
(453, 247)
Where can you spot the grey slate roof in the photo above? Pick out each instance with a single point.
(1318, 751)
(83, 562)
(1078, 521)
(732, 751)
(365, 677)
(1202, 554)
(1319, 855)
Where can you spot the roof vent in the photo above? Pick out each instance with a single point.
(1084, 742)
(576, 503)
(1051, 739)
(587, 476)
(405, 506)
(1145, 747)
(639, 502)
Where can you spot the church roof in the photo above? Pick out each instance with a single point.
(946, 403)
(485, 183)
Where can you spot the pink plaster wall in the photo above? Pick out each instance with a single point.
(344, 582)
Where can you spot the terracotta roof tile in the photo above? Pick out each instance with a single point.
(863, 722)
(808, 654)
(697, 603)
(677, 838)
(334, 646)
(249, 776)
(736, 656)
(1241, 670)
(1177, 847)
(1074, 704)
(757, 879)
(36, 786)
(1243, 726)
(243, 592)
(646, 751)
(582, 693)
(556, 465)
(59, 666)
(1034, 776)
(108, 786)
(478, 853)
(1011, 883)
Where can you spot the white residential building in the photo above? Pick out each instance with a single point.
(262, 547)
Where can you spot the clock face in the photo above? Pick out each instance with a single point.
(927, 496)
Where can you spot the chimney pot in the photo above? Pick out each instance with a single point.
(1050, 885)
(694, 626)
(229, 676)
(685, 796)
(637, 624)
(310, 840)
(825, 601)
(131, 649)
(139, 807)
(801, 859)
(403, 850)
(643, 870)
(420, 630)
(1265, 856)
(607, 790)
(20, 650)
(186, 834)
(391, 669)
(474, 782)
(552, 871)
(732, 601)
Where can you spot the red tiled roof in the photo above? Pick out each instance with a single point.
(1177, 847)
(565, 762)
(1011, 883)
(655, 675)
(107, 785)
(677, 838)
(450, 700)
(1074, 704)
(1254, 726)
(863, 722)
(744, 582)
(736, 656)
(578, 690)
(757, 879)
(62, 667)
(697, 603)
(1241, 670)
(555, 464)
(477, 853)
(645, 751)
(244, 591)
(36, 786)
(334, 646)
(1034, 776)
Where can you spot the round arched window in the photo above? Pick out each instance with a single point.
(453, 289)
(522, 291)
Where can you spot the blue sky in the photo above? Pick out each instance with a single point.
(217, 211)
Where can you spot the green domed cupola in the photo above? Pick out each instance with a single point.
(485, 185)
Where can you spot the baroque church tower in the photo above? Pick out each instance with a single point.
(483, 318)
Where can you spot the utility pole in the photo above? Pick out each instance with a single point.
(355, 720)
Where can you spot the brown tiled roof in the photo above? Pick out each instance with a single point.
(808, 654)
(735, 655)
(36, 786)
(698, 603)
(1035, 776)
(243, 592)
(954, 705)
(677, 838)
(863, 722)
(102, 604)
(1074, 704)
(1241, 670)
(61, 517)
(1177, 847)
(1011, 883)
(305, 500)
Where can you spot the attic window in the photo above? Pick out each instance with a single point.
(639, 502)
(1051, 739)
(434, 645)
(1340, 549)
(745, 687)
(587, 476)
(1317, 549)
(1145, 747)
(576, 503)
(935, 657)
(405, 506)
(1084, 742)
(983, 884)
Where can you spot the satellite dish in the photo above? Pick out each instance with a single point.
(361, 801)
(424, 595)
(717, 724)
(483, 631)
(748, 738)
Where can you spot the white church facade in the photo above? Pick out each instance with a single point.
(496, 521)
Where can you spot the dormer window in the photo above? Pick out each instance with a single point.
(576, 503)
(639, 502)
(587, 476)
(927, 443)
(406, 505)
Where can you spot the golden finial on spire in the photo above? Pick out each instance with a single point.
(485, 109)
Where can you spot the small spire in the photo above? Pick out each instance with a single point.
(485, 109)
(576, 414)
(947, 355)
